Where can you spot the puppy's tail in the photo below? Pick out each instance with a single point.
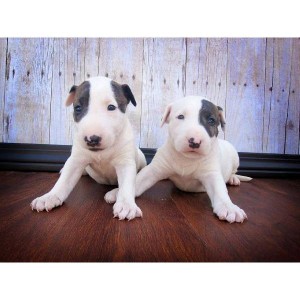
(244, 178)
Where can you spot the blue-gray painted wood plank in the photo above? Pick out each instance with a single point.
(256, 81)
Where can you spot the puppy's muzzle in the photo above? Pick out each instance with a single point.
(93, 140)
(194, 145)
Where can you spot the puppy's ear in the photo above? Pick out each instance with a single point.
(166, 115)
(128, 94)
(221, 117)
(71, 97)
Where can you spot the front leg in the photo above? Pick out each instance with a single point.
(145, 179)
(221, 203)
(150, 175)
(70, 175)
(125, 206)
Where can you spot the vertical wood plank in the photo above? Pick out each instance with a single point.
(91, 57)
(3, 48)
(79, 62)
(125, 67)
(207, 70)
(27, 91)
(45, 82)
(164, 75)
(85, 58)
(64, 74)
(245, 93)
(278, 72)
(292, 145)
(195, 72)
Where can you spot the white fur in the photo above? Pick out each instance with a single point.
(116, 163)
(207, 168)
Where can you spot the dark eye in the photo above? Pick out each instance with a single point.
(111, 107)
(211, 121)
(180, 117)
(77, 108)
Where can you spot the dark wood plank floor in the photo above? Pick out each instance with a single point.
(176, 227)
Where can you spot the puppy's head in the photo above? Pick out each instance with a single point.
(99, 111)
(193, 125)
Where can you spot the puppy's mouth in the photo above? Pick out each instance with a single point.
(191, 151)
(94, 149)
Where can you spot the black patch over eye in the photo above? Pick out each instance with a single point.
(78, 109)
(111, 107)
(180, 117)
(211, 121)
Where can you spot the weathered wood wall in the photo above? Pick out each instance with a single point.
(256, 81)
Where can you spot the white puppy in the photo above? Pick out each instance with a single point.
(194, 158)
(103, 146)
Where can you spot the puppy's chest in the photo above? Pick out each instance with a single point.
(187, 176)
(186, 171)
(104, 169)
(191, 169)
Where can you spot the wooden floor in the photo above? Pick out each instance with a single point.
(176, 227)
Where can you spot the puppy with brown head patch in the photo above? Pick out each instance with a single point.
(194, 158)
(103, 146)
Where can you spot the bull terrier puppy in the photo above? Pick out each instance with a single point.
(103, 146)
(193, 158)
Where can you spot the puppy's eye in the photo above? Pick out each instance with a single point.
(211, 121)
(180, 117)
(77, 108)
(111, 107)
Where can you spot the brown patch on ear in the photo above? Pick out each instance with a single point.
(128, 94)
(221, 117)
(165, 118)
(123, 95)
(71, 97)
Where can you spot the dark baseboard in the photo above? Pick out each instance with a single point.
(51, 158)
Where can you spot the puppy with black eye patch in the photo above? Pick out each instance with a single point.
(194, 158)
(103, 146)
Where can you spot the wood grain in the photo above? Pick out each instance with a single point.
(79, 63)
(3, 64)
(164, 80)
(27, 92)
(292, 124)
(278, 76)
(61, 121)
(176, 226)
(255, 81)
(271, 232)
(91, 56)
(245, 94)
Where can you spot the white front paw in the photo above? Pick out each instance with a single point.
(45, 202)
(230, 212)
(111, 196)
(234, 180)
(126, 210)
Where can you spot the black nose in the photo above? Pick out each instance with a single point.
(93, 141)
(192, 144)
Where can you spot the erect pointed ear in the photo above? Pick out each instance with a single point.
(128, 94)
(221, 117)
(166, 115)
(71, 97)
